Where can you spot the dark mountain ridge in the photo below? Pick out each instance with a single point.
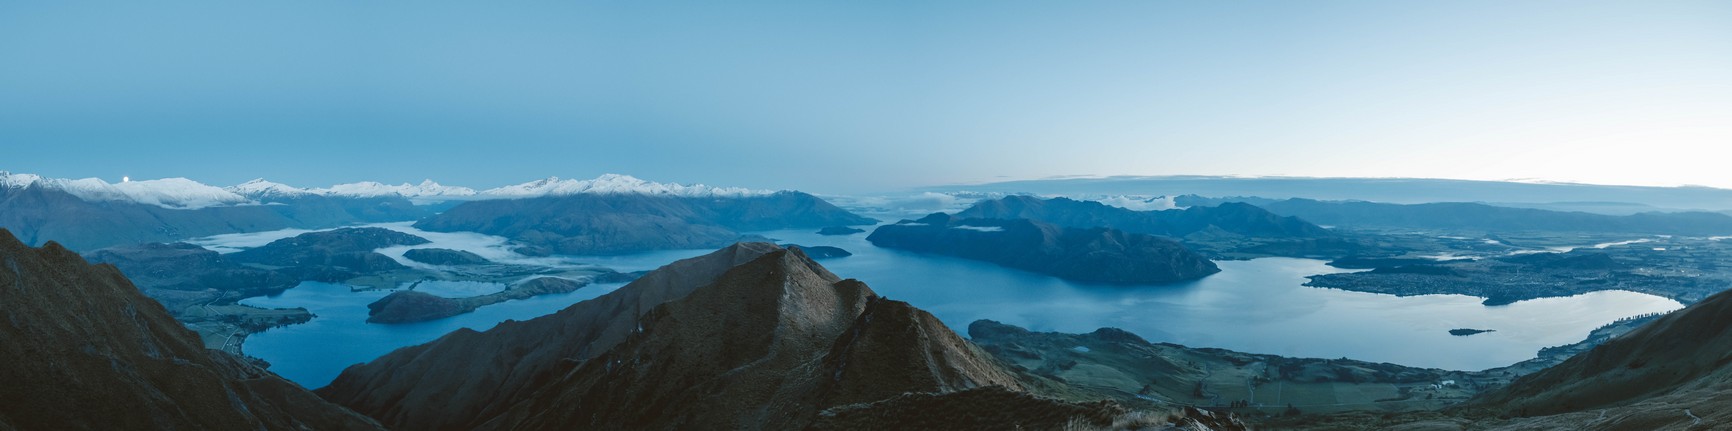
(749, 337)
(85, 350)
(1646, 379)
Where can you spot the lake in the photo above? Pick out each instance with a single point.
(1257, 306)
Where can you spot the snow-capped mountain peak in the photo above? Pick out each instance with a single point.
(182, 193)
(368, 189)
(262, 188)
(178, 193)
(11, 180)
(616, 184)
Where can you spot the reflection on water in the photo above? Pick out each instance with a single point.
(1256, 306)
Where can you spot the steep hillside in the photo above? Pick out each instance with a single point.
(766, 346)
(749, 337)
(1677, 362)
(624, 223)
(451, 382)
(85, 350)
(1097, 255)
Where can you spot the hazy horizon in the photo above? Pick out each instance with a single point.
(850, 98)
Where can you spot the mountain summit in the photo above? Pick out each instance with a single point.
(749, 337)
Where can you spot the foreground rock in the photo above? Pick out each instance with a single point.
(412, 306)
(85, 350)
(749, 337)
(1097, 255)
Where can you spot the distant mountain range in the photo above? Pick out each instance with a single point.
(40, 213)
(1480, 217)
(1235, 218)
(90, 213)
(625, 223)
(1390, 190)
(182, 193)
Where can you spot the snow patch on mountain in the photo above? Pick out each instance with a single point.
(177, 193)
(261, 188)
(182, 193)
(1137, 203)
(616, 184)
(426, 191)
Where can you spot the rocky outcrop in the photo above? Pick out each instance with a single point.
(626, 223)
(85, 350)
(464, 377)
(442, 256)
(1098, 255)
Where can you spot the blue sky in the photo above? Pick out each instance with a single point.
(861, 96)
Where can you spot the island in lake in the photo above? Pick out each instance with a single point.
(1098, 255)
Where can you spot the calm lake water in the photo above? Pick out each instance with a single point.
(1256, 306)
